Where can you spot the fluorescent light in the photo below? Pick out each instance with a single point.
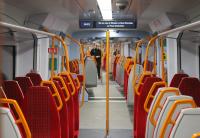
(105, 7)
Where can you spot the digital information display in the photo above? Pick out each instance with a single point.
(108, 24)
(86, 24)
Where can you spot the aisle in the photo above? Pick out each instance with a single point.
(92, 115)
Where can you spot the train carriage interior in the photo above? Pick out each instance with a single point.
(99, 69)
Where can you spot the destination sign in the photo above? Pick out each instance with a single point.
(130, 24)
(116, 24)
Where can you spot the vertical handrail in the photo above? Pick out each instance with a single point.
(83, 66)
(138, 45)
(154, 60)
(107, 80)
(52, 58)
(66, 53)
(152, 41)
(162, 57)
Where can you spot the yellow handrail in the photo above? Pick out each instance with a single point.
(21, 118)
(83, 67)
(64, 88)
(55, 94)
(196, 135)
(138, 45)
(107, 80)
(170, 114)
(150, 94)
(158, 101)
(162, 57)
(70, 81)
(152, 41)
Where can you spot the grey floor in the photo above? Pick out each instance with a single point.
(92, 114)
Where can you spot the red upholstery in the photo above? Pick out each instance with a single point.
(149, 65)
(115, 67)
(177, 79)
(35, 78)
(70, 107)
(41, 113)
(191, 87)
(63, 112)
(140, 113)
(80, 78)
(126, 76)
(24, 83)
(76, 102)
(13, 91)
(136, 101)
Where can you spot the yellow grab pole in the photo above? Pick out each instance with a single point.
(107, 80)
(154, 60)
(63, 63)
(52, 58)
(147, 52)
(65, 51)
(138, 45)
(83, 66)
(162, 58)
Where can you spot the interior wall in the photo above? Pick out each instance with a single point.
(42, 57)
(171, 56)
(190, 58)
(24, 62)
(7, 61)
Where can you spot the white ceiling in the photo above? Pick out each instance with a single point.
(70, 10)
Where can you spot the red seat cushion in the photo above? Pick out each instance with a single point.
(35, 78)
(41, 113)
(177, 79)
(13, 91)
(24, 83)
(190, 86)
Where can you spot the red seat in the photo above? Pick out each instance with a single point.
(149, 65)
(190, 86)
(13, 91)
(177, 79)
(126, 76)
(35, 78)
(115, 66)
(70, 106)
(41, 113)
(63, 112)
(141, 114)
(75, 96)
(142, 79)
(24, 83)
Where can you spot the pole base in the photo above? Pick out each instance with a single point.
(107, 136)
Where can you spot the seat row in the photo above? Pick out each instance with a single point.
(38, 108)
(166, 111)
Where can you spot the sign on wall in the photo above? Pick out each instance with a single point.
(120, 24)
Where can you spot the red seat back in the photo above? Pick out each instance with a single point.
(149, 65)
(177, 79)
(35, 78)
(70, 106)
(24, 83)
(41, 113)
(190, 86)
(75, 100)
(141, 114)
(13, 91)
(63, 112)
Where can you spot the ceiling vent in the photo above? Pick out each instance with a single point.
(121, 4)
